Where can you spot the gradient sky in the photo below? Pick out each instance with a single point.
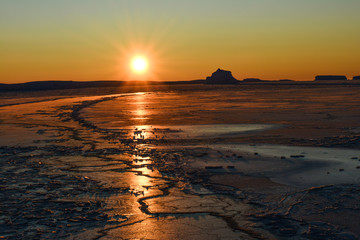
(184, 40)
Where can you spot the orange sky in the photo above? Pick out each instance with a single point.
(184, 40)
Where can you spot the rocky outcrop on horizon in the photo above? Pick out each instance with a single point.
(221, 77)
(356, 78)
(330, 78)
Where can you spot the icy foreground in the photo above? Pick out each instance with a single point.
(186, 163)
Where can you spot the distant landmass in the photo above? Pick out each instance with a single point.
(286, 80)
(221, 77)
(330, 78)
(54, 85)
(252, 80)
(218, 77)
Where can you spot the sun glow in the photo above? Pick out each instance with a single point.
(139, 64)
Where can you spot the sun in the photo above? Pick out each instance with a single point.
(139, 64)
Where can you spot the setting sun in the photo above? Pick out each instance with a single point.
(139, 64)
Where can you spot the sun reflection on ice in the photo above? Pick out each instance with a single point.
(145, 175)
(141, 183)
(143, 132)
(139, 112)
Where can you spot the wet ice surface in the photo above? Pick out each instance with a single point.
(293, 165)
(178, 165)
(203, 131)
